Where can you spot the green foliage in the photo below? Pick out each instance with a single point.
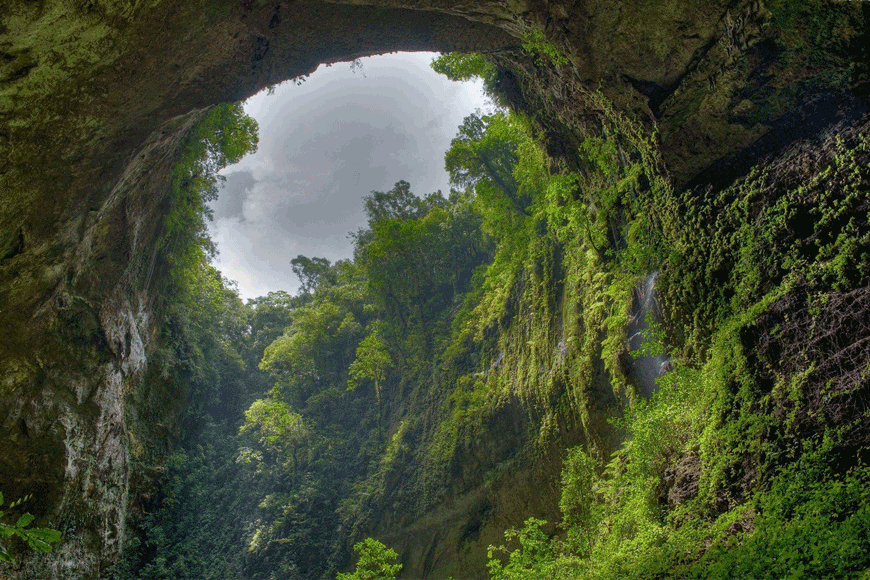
(579, 475)
(192, 521)
(222, 137)
(558, 293)
(533, 558)
(38, 539)
(208, 339)
(464, 67)
(191, 529)
(276, 427)
(418, 254)
(204, 320)
(819, 34)
(305, 440)
(483, 157)
(311, 272)
(313, 352)
(268, 317)
(371, 363)
(376, 562)
(534, 43)
(812, 523)
(399, 204)
(406, 263)
(518, 290)
(205, 328)
(723, 474)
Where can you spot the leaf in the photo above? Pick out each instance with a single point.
(46, 535)
(20, 501)
(40, 539)
(24, 521)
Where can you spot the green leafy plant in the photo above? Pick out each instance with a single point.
(372, 363)
(467, 66)
(533, 558)
(39, 539)
(535, 43)
(376, 562)
(221, 138)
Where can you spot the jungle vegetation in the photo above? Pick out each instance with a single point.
(310, 415)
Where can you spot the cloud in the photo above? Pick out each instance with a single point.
(233, 193)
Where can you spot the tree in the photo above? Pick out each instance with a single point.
(306, 358)
(277, 428)
(222, 137)
(268, 317)
(533, 558)
(485, 150)
(371, 363)
(465, 67)
(458, 66)
(399, 203)
(374, 562)
(417, 260)
(312, 272)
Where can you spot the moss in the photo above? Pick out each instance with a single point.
(816, 25)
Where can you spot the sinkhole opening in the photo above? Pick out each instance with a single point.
(326, 142)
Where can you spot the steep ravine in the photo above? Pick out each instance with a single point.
(95, 98)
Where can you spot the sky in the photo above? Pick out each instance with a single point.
(324, 145)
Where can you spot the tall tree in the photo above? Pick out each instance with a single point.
(311, 272)
(486, 150)
(371, 363)
(399, 203)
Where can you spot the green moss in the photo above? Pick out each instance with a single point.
(535, 43)
(816, 25)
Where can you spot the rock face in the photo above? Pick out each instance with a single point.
(74, 397)
(96, 95)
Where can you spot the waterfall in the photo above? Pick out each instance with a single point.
(644, 370)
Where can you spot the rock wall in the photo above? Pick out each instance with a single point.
(72, 391)
(95, 96)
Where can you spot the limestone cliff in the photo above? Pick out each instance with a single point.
(96, 95)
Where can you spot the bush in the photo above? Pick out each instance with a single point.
(374, 562)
